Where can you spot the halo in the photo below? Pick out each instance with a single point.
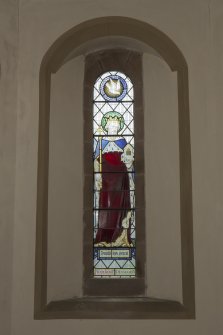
(112, 116)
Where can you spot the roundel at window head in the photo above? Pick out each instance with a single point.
(113, 88)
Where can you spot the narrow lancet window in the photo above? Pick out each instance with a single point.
(114, 186)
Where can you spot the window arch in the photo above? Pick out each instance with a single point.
(94, 308)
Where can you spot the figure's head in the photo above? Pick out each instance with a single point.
(112, 127)
(112, 123)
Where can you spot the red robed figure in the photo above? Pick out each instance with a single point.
(114, 196)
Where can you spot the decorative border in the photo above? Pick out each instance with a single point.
(98, 307)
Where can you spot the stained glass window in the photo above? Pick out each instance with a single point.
(114, 186)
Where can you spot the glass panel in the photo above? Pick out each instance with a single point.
(114, 186)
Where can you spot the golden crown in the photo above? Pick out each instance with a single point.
(113, 118)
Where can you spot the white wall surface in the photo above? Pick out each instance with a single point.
(196, 27)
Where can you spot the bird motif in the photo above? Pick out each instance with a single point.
(113, 87)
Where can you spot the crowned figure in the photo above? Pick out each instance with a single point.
(113, 166)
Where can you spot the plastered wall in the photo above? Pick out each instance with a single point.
(65, 198)
(8, 101)
(162, 180)
(196, 27)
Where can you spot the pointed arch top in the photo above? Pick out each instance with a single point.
(113, 26)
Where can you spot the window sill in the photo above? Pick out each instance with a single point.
(114, 308)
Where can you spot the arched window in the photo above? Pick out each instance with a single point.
(103, 296)
(114, 187)
(113, 116)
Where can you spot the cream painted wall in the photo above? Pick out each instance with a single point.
(8, 100)
(65, 198)
(163, 240)
(196, 27)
